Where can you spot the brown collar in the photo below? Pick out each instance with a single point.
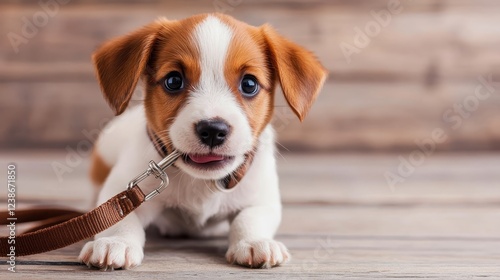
(226, 183)
(160, 147)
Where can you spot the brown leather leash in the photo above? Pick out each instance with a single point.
(60, 228)
(58, 232)
(71, 231)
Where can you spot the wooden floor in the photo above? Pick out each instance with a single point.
(341, 220)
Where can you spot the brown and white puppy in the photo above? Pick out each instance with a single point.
(209, 83)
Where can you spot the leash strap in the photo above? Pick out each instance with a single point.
(71, 231)
(62, 228)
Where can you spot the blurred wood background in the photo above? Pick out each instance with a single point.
(427, 60)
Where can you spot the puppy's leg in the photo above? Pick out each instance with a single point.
(120, 246)
(251, 238)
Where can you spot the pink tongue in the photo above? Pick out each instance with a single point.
(205, 158)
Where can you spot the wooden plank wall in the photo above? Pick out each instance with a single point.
(425, 61)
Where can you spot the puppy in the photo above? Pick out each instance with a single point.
(209, 83)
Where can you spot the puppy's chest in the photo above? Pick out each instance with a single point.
(195, 203)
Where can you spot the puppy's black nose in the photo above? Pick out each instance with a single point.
(212, 132)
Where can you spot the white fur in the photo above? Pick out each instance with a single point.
(212, 98)
(119, 128)
(191, 204)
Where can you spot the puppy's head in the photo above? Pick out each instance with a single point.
(209, 85)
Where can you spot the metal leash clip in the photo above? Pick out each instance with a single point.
(158, 171)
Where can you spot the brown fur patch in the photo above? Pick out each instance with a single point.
(263, 53)
(151, 53)
(247, 56)
(99, 170)
(174, 51)
(300, 74)
(120, 62)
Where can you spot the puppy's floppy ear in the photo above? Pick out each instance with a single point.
(300, 74)
(120, 62)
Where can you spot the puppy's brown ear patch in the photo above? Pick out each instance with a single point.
(120, 62)
(300, 74)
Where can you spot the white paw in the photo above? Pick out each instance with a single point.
(111, 253)
(264, 253)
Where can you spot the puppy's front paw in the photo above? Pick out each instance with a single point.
(264, 253)
(111, 252)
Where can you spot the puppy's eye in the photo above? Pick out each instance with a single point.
(249, 86)
(174, 82)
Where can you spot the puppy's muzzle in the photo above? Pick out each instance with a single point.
(212, 133)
